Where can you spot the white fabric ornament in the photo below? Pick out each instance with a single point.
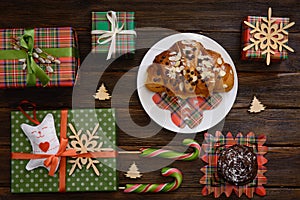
(43, 140)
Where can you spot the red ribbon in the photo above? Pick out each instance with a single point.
(53, 160)
(34, 119)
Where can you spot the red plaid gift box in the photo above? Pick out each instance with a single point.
(211, 147)
(259, 33)
(60, 43)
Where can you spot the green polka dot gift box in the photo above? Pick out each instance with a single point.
(63, 151)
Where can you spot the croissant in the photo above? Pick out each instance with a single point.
(188, 69)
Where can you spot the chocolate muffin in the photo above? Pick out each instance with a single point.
(237, 164)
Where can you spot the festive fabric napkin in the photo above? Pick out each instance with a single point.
(58, 43)
(90, 133)
(211, 147)
(124, 38)
(186, 111)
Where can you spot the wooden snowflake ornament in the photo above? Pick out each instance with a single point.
(133, 172)
(268, 36)
(84, 143)
(102, 93)
(256, 106)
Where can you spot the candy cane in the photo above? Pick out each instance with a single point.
(163, 153)
(156, 187)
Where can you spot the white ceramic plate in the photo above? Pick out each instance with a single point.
(163, 117)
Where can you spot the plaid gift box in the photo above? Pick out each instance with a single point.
(84, 128)
(186, 111)
(252, 54)
(212, 146)
(125, 43)
(60, 43)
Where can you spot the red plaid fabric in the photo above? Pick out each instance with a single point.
(13, 76)
(211, 147)
(252, 54)
(186, 111)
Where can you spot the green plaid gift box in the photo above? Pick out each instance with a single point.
(252, 54)
(125, 43)
(95, 127)
(59, 42)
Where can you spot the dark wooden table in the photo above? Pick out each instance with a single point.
(277, 86)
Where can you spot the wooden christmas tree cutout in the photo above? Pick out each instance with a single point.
(256, 106)
(133, 171)
(102, 93)
(268, 36)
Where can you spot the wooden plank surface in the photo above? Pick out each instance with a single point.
(277, 86)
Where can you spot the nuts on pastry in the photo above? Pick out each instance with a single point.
(188, 69)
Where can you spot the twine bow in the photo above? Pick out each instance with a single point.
(33, 70)
(111, 35)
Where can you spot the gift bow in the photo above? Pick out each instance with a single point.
(111, 35)
(53, 160)
(33, 70)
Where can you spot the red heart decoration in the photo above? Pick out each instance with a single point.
(44, 146)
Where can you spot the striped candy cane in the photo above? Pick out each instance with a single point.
(156, 187)
(163, 153)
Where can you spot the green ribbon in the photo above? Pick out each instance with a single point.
(57, 52)
(33, 70)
